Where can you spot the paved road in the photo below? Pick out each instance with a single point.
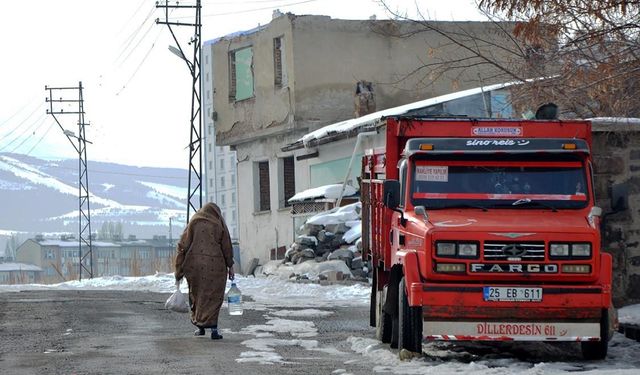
(111, 332)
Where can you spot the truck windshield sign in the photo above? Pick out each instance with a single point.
(497, 131)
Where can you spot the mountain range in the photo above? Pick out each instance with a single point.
(41, 197)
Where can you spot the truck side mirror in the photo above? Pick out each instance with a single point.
(619, 197)
(391, 192)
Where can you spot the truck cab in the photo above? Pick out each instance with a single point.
(486, 230)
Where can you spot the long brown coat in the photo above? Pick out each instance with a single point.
(204, 257)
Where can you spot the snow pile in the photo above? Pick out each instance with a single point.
(323, 192)
(333, 235)
(263, 291)
(629, 314)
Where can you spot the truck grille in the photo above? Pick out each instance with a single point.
(506, 250)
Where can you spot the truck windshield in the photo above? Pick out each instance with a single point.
(499, 184)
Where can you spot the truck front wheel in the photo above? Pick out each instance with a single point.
(596, 350)
(409, 322)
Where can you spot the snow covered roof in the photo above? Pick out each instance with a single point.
(372, 120)
(74, 243)
(7, 267)
(235, 34)
(326, 192)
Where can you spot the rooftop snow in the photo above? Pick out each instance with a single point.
(327, 191)
(373, 119)
(6, 267)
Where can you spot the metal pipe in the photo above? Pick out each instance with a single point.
(353, 156)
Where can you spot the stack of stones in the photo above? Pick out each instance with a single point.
(320, 242)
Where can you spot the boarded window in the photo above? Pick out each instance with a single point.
(277, 62)
(240, 74)
(288, 181)
(264, 200)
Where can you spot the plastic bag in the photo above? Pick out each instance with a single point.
(177, 301)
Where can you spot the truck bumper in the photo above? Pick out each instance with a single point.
(460, 312)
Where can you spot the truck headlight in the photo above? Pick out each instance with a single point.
(581, 250)
(468, 250)
(559, 250)
(446, 249)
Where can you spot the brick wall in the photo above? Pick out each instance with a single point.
(616, 154)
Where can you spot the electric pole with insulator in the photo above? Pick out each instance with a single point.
(194, 200)
(79, 143)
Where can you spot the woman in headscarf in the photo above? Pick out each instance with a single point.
(205, 258)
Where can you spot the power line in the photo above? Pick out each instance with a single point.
(140, 64)
(22, 122)
(41, 138)
(18, 111)
(29, 128)
(132, 16)
(133, 37)
(30, 135)
(133, 49)
(255, 9)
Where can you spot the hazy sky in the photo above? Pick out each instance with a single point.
(137, 94)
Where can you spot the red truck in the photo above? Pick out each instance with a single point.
(486, 229)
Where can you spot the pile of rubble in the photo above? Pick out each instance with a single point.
(331, 235)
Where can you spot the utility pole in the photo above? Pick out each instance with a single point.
(194, 200)
(85, 252)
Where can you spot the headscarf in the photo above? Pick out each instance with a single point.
(209, 212)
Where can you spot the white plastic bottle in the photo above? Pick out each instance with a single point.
(234, 300)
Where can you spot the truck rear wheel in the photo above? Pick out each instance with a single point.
(597, 350)
(409, 323)
(383, 320)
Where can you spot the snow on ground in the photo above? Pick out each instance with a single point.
(265, 292)
(23, 170)
(629, 314)
(309, 269)
(172, 191)
(289, 308)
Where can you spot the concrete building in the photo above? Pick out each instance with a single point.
(273, 84)
(219, 162)
(19, 273)
(59, 260)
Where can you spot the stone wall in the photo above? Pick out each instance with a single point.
(616, 154)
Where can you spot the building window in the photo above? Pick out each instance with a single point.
(232, 161)
(222, 182)
(50, 254)
(233, 197)
(277, 63)
(210, 164)
(233, 180)
(261, 181)
(287, 177)
(240, 74)
(209, 147)
(221, 164)
(211, 182)
(222, 199)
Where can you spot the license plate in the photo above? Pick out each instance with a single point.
(512, 294)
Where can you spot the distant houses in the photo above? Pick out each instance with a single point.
(19, 273)
(57, 260)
